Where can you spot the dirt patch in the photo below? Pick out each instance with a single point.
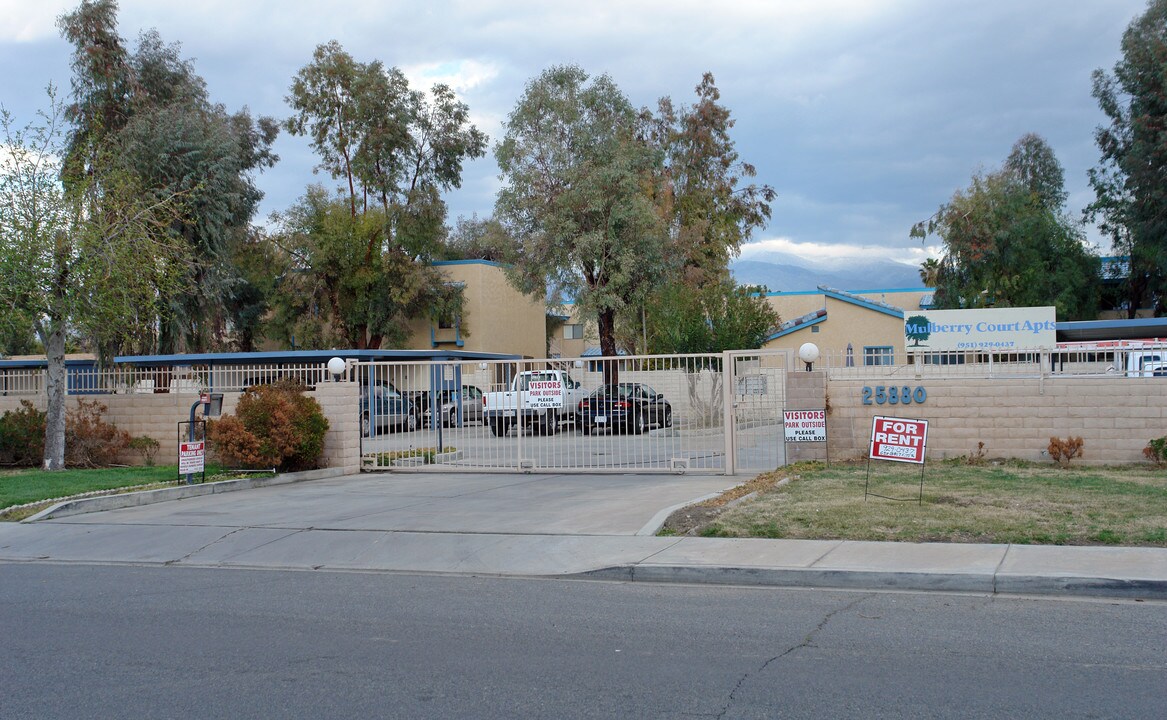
(691, 520)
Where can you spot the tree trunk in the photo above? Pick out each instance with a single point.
(607, 329)
(55, 390)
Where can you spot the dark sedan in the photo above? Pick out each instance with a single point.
(390, 410)
(628, 407)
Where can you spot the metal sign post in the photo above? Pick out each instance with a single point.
(897, 440)
(192, 451)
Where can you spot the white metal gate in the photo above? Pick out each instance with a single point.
(756, 381)
(710, 413)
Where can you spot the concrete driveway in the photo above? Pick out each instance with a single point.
(602, 504)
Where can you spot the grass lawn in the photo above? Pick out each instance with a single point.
(1009, 502)
(20, 487)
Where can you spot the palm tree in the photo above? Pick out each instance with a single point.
(930, 272)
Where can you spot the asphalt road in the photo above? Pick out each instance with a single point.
(119, 641)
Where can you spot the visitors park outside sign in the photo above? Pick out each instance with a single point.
(544, 393)
(986, 330)
(805, 425)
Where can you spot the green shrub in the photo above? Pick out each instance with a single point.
(1156, 451)
(147, 447)
(22, 436)
(273, 426)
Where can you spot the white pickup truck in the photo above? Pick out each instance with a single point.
(538, 399)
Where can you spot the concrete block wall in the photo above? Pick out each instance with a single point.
(157, 416)
(1014, 417)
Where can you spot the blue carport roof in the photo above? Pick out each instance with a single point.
(305, 356)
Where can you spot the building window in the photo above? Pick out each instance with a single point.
(447, 321)
(814, 328)
(878, 355)
(573, 332)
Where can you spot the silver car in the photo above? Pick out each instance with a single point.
(447, 406)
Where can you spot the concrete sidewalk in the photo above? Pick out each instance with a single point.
(596, 527)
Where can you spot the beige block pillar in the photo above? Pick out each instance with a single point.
(806, 391)
(341, 403)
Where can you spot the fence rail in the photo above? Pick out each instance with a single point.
(179, 379)
(1095, 360)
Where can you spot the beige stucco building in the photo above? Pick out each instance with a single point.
(496, 317)
(869, 322)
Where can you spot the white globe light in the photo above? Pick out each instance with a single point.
(336, 367)
(809, 352)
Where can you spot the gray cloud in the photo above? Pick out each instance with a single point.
(864, 115)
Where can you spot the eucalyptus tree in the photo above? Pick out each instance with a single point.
(395, 150)
(1130, 196)
(150, 113)
(81, 259)
(332, 290)
(576, 198)
(1007, 241)
(703, 187)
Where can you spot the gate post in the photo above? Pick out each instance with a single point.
(728, 416)
(806, 391)
(340, 402)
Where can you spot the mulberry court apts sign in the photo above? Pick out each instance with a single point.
(996, 329)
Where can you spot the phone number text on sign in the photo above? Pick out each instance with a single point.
(898, 439)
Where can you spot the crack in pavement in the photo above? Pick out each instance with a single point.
(806, 642)
(220, 539)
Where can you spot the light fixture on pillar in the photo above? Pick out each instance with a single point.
(336, 368)
(808, 353)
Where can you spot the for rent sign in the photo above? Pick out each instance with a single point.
(805, 425)
(898, 439)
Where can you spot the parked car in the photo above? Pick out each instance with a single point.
(390, 410)
(628, 407)
(471, 400)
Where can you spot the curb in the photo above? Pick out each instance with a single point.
(983, 583)
(81, 506)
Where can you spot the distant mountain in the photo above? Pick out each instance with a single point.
(781, 275)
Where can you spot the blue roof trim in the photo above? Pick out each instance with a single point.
(491, 263)
(795, 328)
(40, 362)
(792, 293)
(883, 308)
(594, 351)
(307, 356)
(854, 292)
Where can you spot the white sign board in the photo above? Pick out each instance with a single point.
(545, 394)
(898, 439)
(985, 330)
(190, 457)
(805, 425)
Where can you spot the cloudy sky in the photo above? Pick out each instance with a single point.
(864, 115)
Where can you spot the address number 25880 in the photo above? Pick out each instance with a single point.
(894, 395)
